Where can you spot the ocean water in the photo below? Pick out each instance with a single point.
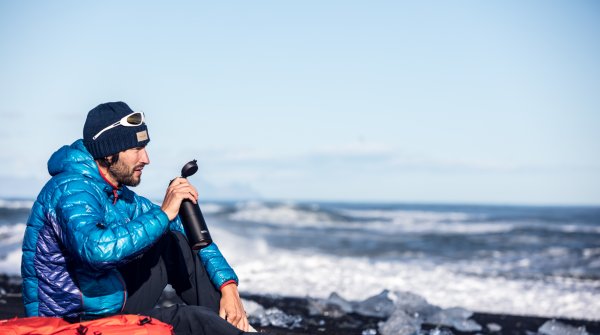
(542, 261)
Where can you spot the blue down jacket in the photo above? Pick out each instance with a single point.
(80, 230)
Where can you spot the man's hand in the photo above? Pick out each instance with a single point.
(178, 190)
(232, 309)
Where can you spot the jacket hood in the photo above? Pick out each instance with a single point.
(73, 158)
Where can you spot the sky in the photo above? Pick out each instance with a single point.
(493, 102)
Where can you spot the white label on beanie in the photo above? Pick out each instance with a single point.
(142, 135)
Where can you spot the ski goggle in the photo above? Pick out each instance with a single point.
(132, 120)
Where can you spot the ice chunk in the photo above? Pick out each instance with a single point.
(324, 307)
(378, 306)
(278, 318)
(272, 316)
(493, 327)
(252, 307)
(455, 317)
(336, 299)
(369, 331)
(466, 326)
(381, 305)
(335, 306)
(413, 304)
(275, 317)
(438, 331)
(553, 327)
(400, 323)
(316, 306)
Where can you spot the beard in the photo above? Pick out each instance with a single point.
(124, 174)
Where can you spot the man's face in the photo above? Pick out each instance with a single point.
(128, 169)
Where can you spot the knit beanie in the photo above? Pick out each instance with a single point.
(115, 139)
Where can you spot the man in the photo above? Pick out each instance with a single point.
(94, 248)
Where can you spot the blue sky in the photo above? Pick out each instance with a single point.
(437, 101)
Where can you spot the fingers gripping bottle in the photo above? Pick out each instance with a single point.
(191, 216)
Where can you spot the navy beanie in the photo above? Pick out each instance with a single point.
(116, 139)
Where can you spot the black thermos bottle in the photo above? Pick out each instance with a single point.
(191, 216)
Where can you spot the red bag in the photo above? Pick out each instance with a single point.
(113, 325)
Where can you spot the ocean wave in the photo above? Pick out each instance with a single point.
(427, 222)
(299, 274)
(11, 262)
(388, 221)
(211, 208)
(13, 234)
(442, 228)
(574, 228)
(411, 216)
(393, 220)
(11, 238)
(282, 214)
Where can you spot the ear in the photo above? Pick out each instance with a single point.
(103, 162)
(113, 159)
(108, 160)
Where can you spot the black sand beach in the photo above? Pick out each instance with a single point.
(332, 323)
(356, 324)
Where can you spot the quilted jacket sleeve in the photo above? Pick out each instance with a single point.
(215, 263)
(98, 244)
(217, 267)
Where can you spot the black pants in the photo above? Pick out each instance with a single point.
(171, 261)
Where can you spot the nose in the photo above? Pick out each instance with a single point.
(144, 156)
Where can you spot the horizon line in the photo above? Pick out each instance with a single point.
(369, 202)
